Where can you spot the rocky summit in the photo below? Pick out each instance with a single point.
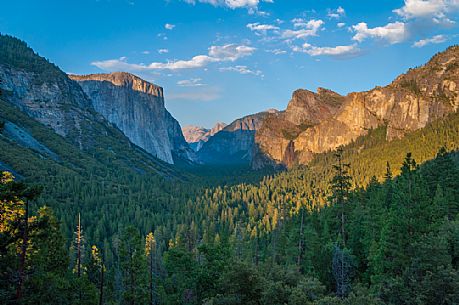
(137, 108)
(318, 122)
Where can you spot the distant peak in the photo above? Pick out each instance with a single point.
(272, 110)
(124, 79)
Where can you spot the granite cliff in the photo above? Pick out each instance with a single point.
(36, 89)
(137, 108)
(196, 136)
(45, 93)
(318, 122)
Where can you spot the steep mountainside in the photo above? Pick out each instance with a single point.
(136, 107)
(32, 86)
(324, 121)
(233, 144)
(196, 136)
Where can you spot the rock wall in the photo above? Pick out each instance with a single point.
(137, 108)
(312, 125)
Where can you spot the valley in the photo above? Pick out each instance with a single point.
(338, 199)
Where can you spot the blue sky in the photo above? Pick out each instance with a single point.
(218, 60)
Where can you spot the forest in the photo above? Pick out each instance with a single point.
(375, 222)
(393, 241)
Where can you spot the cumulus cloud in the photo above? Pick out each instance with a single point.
(337, 51)
(338, 13)
(261, 27)
(192, 82)
(163, 51)
(242, 70)
(232, 4)
(340, 24)
(392, 32)
(303, 29)
(169, 26)
(427, 8)
(225, 53)
(435, 39)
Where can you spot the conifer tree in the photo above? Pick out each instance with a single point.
(150, 252)
(133, 267)
(341, 185)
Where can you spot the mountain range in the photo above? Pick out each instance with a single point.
(93, 111)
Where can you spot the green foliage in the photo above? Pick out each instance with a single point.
(16, 53)
(133, 267)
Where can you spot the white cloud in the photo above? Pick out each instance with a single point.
(338, 13)
(427, 8)
(192, 82)
(261, 27)
(306, 29)
(347, 50)
(392, 32)
(340, 24)
(242, 70)
(225, 53)
(232, 4)
(163, 51)
(277, 51)
(435, 39)
(146, 52)
(169, 26)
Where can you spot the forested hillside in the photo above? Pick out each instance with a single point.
(394, 242)
(87, 217)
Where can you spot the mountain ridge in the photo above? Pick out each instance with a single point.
(408, 103)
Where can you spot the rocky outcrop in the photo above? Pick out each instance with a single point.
(39, 89)
(196, 136)
(275, 139)
(137, 108)
(23, 138)
(234, 144)
(45, 93)
(316, 123)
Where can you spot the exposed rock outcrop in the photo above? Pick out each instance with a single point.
(196, 136)
(316, 123)
(137, 108)
(45, 93)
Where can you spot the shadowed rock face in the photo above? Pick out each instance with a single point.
(136, 107)
(55, 101)
(318, 122)
(234, 144)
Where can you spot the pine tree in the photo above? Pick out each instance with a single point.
(150, 252)
(96, 271)
(133, 267)
(341, 185)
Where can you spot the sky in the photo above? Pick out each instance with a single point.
(219, 60)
